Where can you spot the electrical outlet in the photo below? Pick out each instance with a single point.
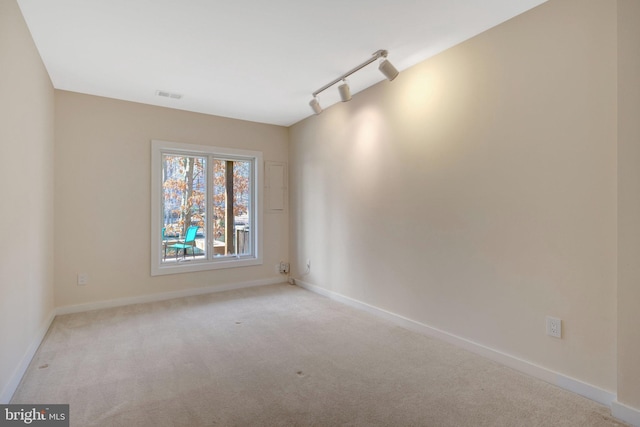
(83, 279)
(554, 327)
(284, 267)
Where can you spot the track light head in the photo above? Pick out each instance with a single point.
(345, 92)
(388, 70)
(315, 105)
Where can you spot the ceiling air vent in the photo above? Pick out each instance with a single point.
(166, 94)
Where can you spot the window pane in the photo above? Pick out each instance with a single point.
(231, 206)
(219, 207)
(183, 207)
(241, 205)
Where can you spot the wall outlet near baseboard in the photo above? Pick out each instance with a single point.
(284, 267)
(554, 327)
(83, 279)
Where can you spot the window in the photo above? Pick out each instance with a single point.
(205, 207)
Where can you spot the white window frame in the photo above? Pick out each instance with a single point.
(158, 148)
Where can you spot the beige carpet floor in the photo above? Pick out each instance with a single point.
(278, 356)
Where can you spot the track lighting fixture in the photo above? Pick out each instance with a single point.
(345, 92)
(388, 70)
(315, 105)
(385, 67)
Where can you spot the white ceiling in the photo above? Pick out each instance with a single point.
(252, 60)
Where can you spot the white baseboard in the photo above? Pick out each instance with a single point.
(626, 413)
(11, 387)
(587, 390)
(79, 308)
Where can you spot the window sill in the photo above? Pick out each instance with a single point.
(188, 266)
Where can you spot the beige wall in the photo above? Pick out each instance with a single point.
(629, 203)
(476, 193)
(26, 210)
(102, 188)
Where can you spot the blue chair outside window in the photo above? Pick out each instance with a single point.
(189, 242)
